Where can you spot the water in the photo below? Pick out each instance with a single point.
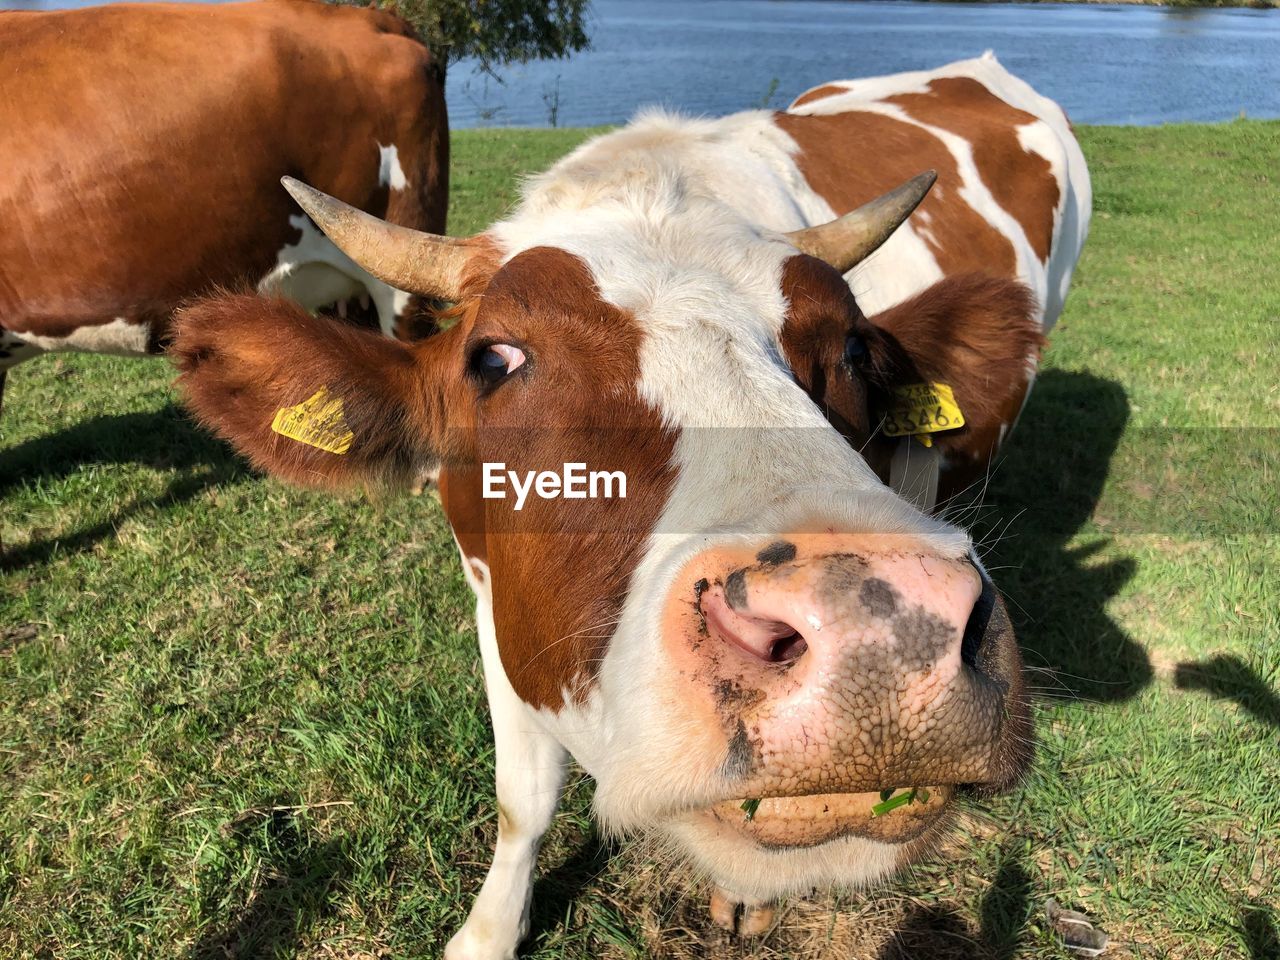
(1104, 63)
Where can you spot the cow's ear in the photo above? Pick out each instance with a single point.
(978, 334)
(313, 400)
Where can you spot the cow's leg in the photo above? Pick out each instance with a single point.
(389, 302)
(13, 350)
(12, 353)
(530, 773)
(316, 273)
(756, 916)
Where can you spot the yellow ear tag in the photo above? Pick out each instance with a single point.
(317, 422)
(920, 409)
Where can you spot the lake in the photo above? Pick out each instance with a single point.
(1104, 63)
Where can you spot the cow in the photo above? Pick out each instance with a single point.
(143, 146)
(763, 652)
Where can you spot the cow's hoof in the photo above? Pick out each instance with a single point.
(755, 920)
(724, 912)
(473, 942)
(732, 913)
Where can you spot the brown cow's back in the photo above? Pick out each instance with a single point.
(144, 143)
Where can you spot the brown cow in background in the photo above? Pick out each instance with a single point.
(143, 146)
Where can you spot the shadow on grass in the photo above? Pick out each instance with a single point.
(296, 880)
(936, 932)
(557, 890)
(1230, 678)
(1044, 491)
(940, 933)
(1260, 937)
(1006, 908)
(164, 440)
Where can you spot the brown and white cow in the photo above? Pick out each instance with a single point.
(143, 146)
(760, 617)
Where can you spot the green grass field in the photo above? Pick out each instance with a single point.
(242, 721)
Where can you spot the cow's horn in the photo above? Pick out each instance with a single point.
(409, 260)
(847, 241)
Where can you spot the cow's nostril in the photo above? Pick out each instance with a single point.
(976, 628)
(788, 648)
(773, 641)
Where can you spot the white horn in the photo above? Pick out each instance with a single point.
(409, 260)
(847, 241)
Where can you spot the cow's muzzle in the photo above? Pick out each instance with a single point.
(842, 671)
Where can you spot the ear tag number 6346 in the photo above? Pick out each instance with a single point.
(920, 409)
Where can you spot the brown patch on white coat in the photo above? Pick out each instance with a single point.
(580, 402)
(1012, 202)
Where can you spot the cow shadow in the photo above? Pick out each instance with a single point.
(1230, 678)
(298, 883)
(166, 439)
(556, 891)
(1042, 493)
(941, 933)
(1258, 923)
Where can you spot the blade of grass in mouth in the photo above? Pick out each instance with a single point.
(889, 802)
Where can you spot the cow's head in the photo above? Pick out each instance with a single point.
(761, 617)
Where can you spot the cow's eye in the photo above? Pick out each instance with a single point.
(493, 362)
(855, 349)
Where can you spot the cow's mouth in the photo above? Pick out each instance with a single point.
(906, 675)
(808, 821)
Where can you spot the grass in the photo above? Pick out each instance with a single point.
(239, 720)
